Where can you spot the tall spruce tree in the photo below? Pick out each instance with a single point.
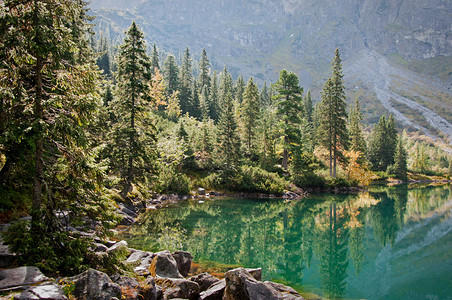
(308, 107)
(332, 127)
(228, 140)
(382, 144)
(204, 76)
(357, 141)
(289, 104)
(48, 97)
(155, 64)
(186, 82)
(239, 89)
(131, 154)
(265, 98)
(171, 74)
(214, 106)
(400, 161)
(249, 115)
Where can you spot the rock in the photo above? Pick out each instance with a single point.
(7, 258)
(183, 260)
(201, 191)
(241, 285)
(126, 219)
(143, 268)
(215, 291)
(118, 247)
(178, 288)
(256, 273)
(19, 277)
(136, 257)
(164, 265)
(204, 280)
(100, 247)
(130, 288)
(46, 292)
(93, 284)
(150, 291)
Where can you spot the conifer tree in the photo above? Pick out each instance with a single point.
(400, 161)
(357, 141)
(204, 104)
(131, 154)
(186, 82)
(239, 89)
(249, 115)
(155, 64)
(194, 106)
(228, 139)
(171, 74)
(48, 97)
(332, 127)
(382, 144)
(226, 85)
(265, 98)
(289, 104)
(214, 107)
(308, 107)
(204, 77)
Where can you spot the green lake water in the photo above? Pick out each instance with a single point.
(388, 243)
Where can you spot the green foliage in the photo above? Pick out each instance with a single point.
(255, 179)
(171, 181)
(382, 144)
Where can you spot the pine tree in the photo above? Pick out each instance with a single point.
(239, 89)
(155, 64)
(265, 98)
(400, 161)
(382, 144)
(226, 86)
(228, 141)
(289, 104)
(204, 104)
(249, 115)
(48, 97)
(332, 127)
(357, 141)
(308, 107)
(214, 106)
(204, 77)
(131, 154)
(194, 107)
(171, 74)
(186, 82)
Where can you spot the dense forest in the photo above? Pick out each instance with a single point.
(84, 124)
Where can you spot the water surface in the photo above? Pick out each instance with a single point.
(388, 243)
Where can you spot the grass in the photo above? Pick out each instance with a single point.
(440, 66)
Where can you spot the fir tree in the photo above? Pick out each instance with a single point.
(289, 104)
(357, 141)
(131, 154)
(171, 74)
(214, 107)
(265, 98)
(228, 140)
(249, 115)
(239, 89)
(155, 64)
(204, 104)
(382, 144)
(308, 107)
(332, 127)
(400, 161)
(225, 86)
(204, 77)
(186, 82)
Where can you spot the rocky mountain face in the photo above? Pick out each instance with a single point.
(260, 37)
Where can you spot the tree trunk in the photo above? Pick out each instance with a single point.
(39, 144)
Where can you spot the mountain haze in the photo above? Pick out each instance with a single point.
(259, 38)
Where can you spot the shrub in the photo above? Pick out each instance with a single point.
(170, 181)
(255, 179)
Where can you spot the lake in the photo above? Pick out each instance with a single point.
(387, 243)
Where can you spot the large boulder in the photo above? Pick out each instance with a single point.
(256, 273)
(164, 265)
(183, 260)
(136, 257)
(43, 292)
(204, 280)
(119, 247)
(240, 284)
(7, 257)
(178, 288)
(215, 291)
(20, 277)
(93, 284)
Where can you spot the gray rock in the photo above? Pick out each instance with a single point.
(136, 257)
(126, 219)
(119, 246)
(93, 284)
(178, 288)
(241, 285)
(20, 277)
(164, 265)
(256, 273)
(215, 291)
(150, 291)
(204, 280)
(183, 260)
(7, 257)
(201, 191)
(45, 292)
(100, 248)
(130, 288)
(143, 268)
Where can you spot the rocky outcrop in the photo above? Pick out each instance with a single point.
(164, 265)
(204, 280)
(49, 291)
(241, 285)
(183, 260)
(178, 288)
(93, 284)
(215, 291)
(20, 277)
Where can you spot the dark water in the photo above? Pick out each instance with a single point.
(390, 243)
